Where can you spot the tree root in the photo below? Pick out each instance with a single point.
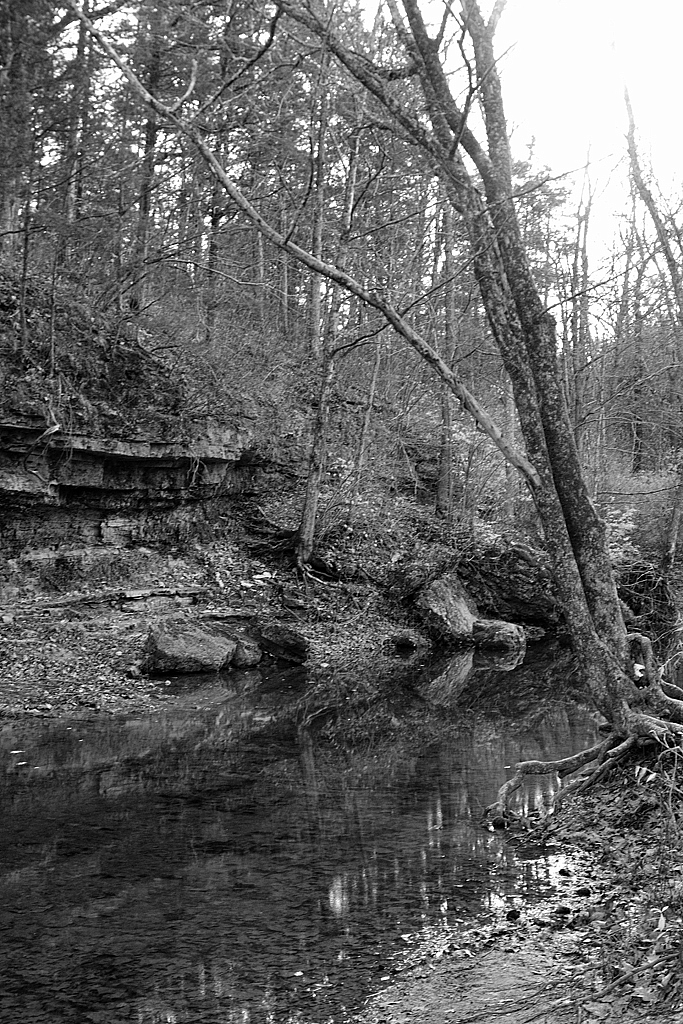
(607, 755)
(655, 716)
(644, 728)
(662, 696)
(628, 976)
(499, 812)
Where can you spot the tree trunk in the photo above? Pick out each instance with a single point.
(525, 333)
(316, 465)
(318, 142)
(151, 33)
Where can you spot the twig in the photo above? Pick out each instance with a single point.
(623, 978)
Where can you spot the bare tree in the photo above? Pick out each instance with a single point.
(676, 284)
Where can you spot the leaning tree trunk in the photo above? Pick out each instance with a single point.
(525, 333)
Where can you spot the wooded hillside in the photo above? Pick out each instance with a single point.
(104, 202)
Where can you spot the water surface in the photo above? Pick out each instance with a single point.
(207, 865)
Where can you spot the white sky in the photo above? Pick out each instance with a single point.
(564, 65)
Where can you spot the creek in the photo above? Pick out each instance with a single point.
(210, 864)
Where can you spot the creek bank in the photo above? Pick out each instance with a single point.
(606, 948)
(75, 622)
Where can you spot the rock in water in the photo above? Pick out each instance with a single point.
(447, 609)
(176, 647)
(495, 633)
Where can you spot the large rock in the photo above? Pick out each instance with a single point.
(450, 614)
(177, 646)
(494, 633)
(447, 609)
(512, 582)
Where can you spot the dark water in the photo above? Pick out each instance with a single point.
(207, 865)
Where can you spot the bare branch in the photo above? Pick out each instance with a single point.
(190, 89)
(496, 13)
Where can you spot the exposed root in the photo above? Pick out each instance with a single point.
(662, 696)
(610, 760)
(647, 726)
(499, 813)
(655, 715)
(607, 755)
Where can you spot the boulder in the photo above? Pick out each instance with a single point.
(247, 654)
(495, 633)
(512, 582)
(178, 646)
(283, 642)
(447, 609)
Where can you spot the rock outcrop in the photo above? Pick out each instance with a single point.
(182, 646)
(451, 616)
(84, 489)
(101, 441)
(447, 609)
(512, 582)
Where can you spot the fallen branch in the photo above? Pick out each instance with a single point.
(627, 976)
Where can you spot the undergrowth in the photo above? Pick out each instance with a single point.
(633, 827)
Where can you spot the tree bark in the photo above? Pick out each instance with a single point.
(151, 36)
(316, 465)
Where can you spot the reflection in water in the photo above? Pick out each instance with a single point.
(194, 867)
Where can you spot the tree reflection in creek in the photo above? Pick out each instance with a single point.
(199, 867)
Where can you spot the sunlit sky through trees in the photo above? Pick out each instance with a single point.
(564, 65)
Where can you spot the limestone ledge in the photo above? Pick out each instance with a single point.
(225, 444)
(36, 468)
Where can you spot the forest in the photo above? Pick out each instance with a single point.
(310, 217)
(110, 202)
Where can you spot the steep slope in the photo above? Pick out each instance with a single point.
(100, 437)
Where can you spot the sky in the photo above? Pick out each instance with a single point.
(564, 65)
